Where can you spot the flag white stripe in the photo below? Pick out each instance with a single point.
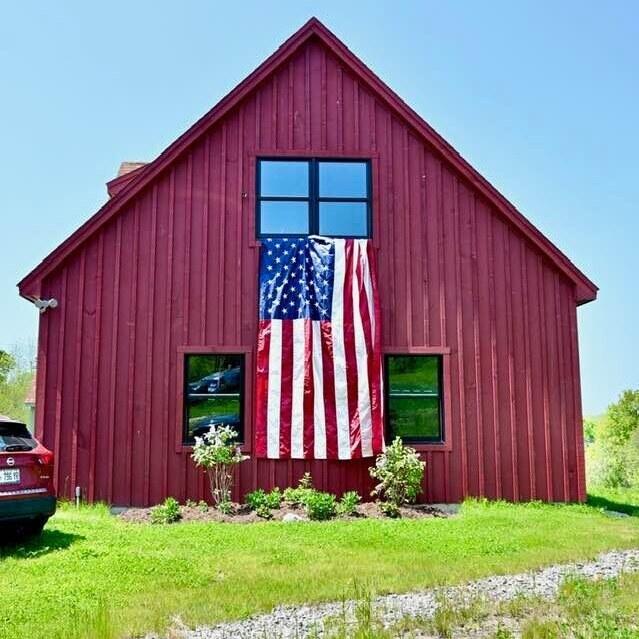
(361, 357)
(297, 417)
(319, 417)
(339, 354)
(368, 286)
(274, 391)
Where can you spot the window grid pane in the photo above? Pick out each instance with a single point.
(338, 198)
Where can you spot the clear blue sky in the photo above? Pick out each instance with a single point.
(541, 97)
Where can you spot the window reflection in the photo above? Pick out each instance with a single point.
(214, 394)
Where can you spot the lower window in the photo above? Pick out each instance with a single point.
(213, 394)
(414, 398)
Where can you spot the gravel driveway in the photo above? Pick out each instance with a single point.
(298, 622)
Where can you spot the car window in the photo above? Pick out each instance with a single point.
(15, 437)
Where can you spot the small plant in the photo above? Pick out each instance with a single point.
(167, 512)
(306, 481)
(389, 509)
(263, 511)
(320, 506)
(399, 472)
(297, 496)
(225, 507)
(202, 506)
(348, 503)
(218, 453)
(190, 503)
(259, 497)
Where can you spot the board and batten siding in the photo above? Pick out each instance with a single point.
(176, 271)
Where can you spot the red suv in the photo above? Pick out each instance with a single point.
(27, 498)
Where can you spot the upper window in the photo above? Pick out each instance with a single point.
(213, 394)
(313, 197)
(414, 398)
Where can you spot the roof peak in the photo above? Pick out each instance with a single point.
(125, 189)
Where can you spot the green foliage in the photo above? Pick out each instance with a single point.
(15, 380)
(263, 511)
(167, 512)
(225, 507)
(612, 444)
(389, 509)
(202, 506)
(320, 506)
(7, 364)
(298, 496)
(348, 503)
(260, 499)
(399, 472)
(218, 453)
(190, 503)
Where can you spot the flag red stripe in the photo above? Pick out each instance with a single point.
(261, 386)
(309, 395)
(286, 397)
(351, 356)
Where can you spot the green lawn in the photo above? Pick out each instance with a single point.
(91, 575)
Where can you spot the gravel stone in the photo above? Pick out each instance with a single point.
(300, 621)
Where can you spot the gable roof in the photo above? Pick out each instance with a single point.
(126, 189)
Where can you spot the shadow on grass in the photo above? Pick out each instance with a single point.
(48, 541)
(609, 504)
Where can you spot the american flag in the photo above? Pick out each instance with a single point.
(319, 363)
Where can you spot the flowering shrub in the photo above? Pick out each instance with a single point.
(399, 472)
(218, 453)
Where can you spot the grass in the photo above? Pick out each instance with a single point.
(91, 575)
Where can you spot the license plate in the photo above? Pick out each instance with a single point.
(9, 476)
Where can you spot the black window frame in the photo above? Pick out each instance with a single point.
(440, 384)
(314, 200)
(189, 441)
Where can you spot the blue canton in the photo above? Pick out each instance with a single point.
(296, 278)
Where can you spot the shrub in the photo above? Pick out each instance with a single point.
(203, 507)
(218, 453)
(320, 506)
(399, 472)
(166, 513)
(189, 503)
(261, 499)
(297, 496)
(348, 503)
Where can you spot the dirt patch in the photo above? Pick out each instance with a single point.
(242, 514)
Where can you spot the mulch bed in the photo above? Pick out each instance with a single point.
(242, 514)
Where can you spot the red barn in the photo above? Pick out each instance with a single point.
(155, 327)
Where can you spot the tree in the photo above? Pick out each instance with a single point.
(15, 380)
(623, 417)
(613, 444)
(7, 364)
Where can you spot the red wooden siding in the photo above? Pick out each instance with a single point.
(177, 269)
